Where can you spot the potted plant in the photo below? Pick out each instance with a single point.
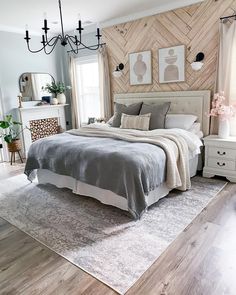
(58, 89)
(9, 131)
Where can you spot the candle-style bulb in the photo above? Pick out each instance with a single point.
(45, 15)
(27, 38)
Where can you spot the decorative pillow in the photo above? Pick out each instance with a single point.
(140, 122)
(120, 109)
(158, 114)
(181, 121)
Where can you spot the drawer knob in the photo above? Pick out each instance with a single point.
(221, 165)
(221, 154)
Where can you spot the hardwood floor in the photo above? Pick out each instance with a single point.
(201, 261)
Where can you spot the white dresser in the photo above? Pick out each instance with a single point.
(220, 157)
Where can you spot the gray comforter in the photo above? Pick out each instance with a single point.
(128, 169)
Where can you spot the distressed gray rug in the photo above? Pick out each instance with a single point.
(102, 240)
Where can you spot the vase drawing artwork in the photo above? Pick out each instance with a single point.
(140, 68)
(172, 70)
(172, 64)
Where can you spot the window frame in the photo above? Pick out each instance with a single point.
(81, 61)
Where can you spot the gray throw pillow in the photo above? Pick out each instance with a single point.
(158, 112)
(132, 109)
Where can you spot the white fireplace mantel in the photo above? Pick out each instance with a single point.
(30, 113)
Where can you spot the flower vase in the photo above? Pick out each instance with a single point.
(54, 101)
(224, 128)
(61, 98)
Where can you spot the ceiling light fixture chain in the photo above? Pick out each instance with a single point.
(75, 42)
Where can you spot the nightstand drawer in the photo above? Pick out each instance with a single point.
(221, 164)
(221, 153)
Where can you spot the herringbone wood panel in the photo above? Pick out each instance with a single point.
(196, 26)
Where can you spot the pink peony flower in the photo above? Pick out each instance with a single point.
(220, 109)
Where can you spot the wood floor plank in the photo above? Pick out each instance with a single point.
(201, 261)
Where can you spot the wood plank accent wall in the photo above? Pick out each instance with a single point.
(196, 26)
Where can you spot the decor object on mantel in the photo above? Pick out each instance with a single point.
(20, 100)
(58, 90)
(75, 42)
(10, 133)
(224, 112)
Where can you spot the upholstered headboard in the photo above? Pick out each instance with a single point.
(182, 102)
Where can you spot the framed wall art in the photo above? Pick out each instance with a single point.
(140, 68)
(172, 64)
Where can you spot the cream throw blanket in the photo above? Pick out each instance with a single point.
(176, 144)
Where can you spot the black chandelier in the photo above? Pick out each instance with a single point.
(75, 42)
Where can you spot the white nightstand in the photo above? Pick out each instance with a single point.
(220, 157)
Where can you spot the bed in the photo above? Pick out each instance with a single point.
(184, 102)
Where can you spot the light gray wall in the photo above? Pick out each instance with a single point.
(15, 59)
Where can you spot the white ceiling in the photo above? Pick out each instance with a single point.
(14, 14)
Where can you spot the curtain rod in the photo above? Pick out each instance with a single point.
(230, 16)
(86, 48)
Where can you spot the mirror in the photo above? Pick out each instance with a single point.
(31, 86)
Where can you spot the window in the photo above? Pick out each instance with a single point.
(88, 88)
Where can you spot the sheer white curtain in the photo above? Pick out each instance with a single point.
(104, 77)
(74, 93)
(226, 76)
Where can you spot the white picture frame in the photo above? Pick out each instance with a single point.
(172, 64)
(140, 68)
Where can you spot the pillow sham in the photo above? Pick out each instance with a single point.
(158, 114)
(120, 109)
(140, 122)
(180, 121)
(195, 128)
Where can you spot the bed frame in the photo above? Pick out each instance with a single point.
(182, 102)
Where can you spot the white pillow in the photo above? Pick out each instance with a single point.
(180, 121)
(195, 128)
(140, 122)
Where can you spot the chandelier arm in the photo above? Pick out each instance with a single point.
(53, 38)
(73, 39)
(53, 46)
(44, 46)
(75, 51)
(34, 51)
(93, 47)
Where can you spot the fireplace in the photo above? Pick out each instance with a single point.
(43, 121)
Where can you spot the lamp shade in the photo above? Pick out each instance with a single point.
(197, 65)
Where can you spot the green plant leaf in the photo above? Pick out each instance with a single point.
(4, 124)
(8, 138)
(16, 123)
(8, 118)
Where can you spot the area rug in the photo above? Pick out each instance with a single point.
(102, 240)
